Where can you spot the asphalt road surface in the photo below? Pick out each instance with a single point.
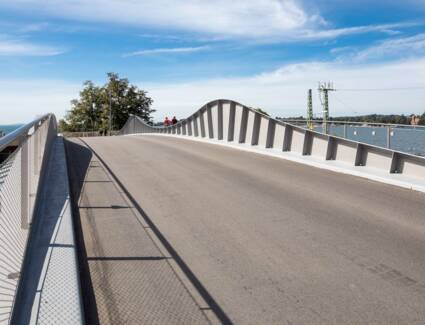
(264, 240)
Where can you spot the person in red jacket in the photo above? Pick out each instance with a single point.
(174, 120)
(167, 122)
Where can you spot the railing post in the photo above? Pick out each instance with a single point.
(36, 148)
(25, 184)
(202, 121)
(195, 125)
(287, 138)
(244, 125)
(389, 137)
(308, 142)
(345, 131)
(331, 149)
(231, 130)
(220, 120)
(270, 133)
(256, 129)
(211, 130)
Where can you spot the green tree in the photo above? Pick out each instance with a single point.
(259, 110)
(98, 107)
(422, 120)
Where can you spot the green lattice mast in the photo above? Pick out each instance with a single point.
(310, 110)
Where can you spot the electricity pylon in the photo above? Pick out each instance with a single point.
(324, 89)
(310, 110)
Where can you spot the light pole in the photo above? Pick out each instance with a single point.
(110, 112)
(93, 118)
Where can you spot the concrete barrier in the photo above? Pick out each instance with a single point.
(228, 121)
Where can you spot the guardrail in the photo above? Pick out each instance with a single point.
(229, 121)
(401, 137)
(23, 158)
(377, 124)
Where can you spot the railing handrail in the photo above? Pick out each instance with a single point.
(17, 134)
(280, 121)
(354, 123)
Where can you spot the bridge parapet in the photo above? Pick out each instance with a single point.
(23, 156)
(231, 122)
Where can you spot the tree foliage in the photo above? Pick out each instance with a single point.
(422, 120)
(376, 118)
(259, 110)
(372, 118)
(112, 103)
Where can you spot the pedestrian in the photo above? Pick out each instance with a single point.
(167, 122)
(174, 120)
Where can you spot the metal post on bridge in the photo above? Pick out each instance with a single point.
(389, 137)
(345, 131)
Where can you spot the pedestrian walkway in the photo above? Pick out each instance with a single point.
(131, 278)
(50, 287)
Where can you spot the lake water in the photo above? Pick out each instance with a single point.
(402, 139)
(9, 128)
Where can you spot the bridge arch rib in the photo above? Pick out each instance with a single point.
(228, 121)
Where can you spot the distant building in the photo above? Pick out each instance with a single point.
(414, 120)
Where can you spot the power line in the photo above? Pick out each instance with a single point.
(346, 105)
(382, 89)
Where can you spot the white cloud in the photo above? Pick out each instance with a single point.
(406, 46)
(237, 17)
(283, 92)
(175, 50)
(10, 47)
(33, 27)
(22, 100)
(264, 20)
(337, 32)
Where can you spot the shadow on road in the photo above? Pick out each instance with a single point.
(79, 158)
(52, 198)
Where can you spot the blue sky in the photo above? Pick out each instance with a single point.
(264, 53)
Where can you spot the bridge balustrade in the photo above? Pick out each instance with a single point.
(23, 159)
(228, 121)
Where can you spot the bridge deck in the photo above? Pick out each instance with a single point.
(263, 240)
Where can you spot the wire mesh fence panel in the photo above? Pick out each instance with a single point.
(409, 140)
(22, 155)
(405, 139)
(12, 235)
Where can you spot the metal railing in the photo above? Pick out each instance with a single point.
(23, 158)
(84, 134)
(401, 137)
(315, 121)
